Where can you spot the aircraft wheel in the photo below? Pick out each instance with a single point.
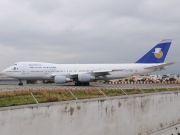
(81, 83)
(87, 84)
(20, 84)
(76, 83)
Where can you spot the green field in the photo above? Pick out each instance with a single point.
(23, 97)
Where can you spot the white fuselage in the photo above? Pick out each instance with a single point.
(46, 71)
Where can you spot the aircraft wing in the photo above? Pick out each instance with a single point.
(98, 72)
(106, 71)
(160, 66)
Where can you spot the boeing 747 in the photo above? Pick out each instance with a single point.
(82, 74)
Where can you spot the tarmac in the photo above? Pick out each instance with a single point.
(92, 86)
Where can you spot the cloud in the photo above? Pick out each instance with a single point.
(84, 31)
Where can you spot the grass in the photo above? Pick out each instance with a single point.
(22, 97)
(16, 100)
(113, 92)
(132, 91)
(149, 90)
(84, 94)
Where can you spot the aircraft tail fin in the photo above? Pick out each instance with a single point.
(157, 54)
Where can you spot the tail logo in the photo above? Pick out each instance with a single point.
(158, 53)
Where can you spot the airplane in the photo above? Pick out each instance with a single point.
(83, 74)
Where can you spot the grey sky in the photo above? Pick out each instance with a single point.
(83, 31)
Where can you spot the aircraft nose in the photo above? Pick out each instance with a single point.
(5, 71)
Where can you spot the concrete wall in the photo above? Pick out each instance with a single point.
(126, 115)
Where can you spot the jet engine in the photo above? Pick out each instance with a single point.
(61, 79)
(85, 77)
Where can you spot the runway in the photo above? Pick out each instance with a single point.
(92, 86)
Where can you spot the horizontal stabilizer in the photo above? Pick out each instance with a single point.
(160, 66)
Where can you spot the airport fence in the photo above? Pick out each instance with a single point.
(145, 82)
(24, 97)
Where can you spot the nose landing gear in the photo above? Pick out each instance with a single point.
(20, 83)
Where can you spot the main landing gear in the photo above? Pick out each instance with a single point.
(20, 83)
(81, 83)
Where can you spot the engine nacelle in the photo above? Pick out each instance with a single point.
(61, 79)
(85, 77)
